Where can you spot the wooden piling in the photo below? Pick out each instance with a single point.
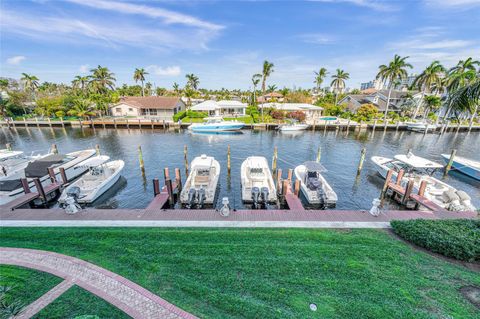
(25, 185)
(139, 124)
(408, 191)
(164, 124)
(115, 123)
(151, 122)
(314, 125)
(423, 186)
(63, 175)
(8, 146)
(319, 154)
(398, 125)
(140, 158)
(25, 121)
(362, 159)
(325, 128)
(156, 187)
(36, 120)
(458, 126)
(39, 187)
(284, 187)
(228, 159)
(168, 183)
(178, 179)
(400, 177)
(97, 149)
(450, 161)
(289, 176)
(54, 149)
(385, 125)
(348, 125)
(279, 180)
(374, 125)
(51, 173)
(166, 173)
(274, 159)
(128, 125)
(61, 122)
(185, 159)
(385, 185)
(297, 187)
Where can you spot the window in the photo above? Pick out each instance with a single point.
(130, 109)
(153, 111)
(118, 110)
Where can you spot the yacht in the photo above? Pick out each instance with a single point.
(421, 169)
(201, 185)
(314, 186)
(293, 126)
(101, 176)
(216, 124)
(12, 188)
(12, 163)
(420, 126)
(257, 182)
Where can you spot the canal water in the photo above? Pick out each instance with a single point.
(340, 154)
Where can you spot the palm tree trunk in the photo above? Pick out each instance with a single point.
(419, 104)
(472, 118)
(263, 93)
(388, 102)
(336, 97)
(143, 90)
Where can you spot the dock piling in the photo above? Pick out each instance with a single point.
(115, 123)
(408, 191)
(63, 175)
(398, 124)
(140, 159)
(185, 159)
(314, 125)
(168, 183)
(8, 146)
(128, 125)
(450, 161)
(156, 187)
(26, 187)
(374, 125)
(274, 159)
(39, 187)
(319, 154)
(54, 149)
(297, 187)
(228, 159)
(61, 122)
(362, 159)
(178, 179)
(284, 188)
(325, 128)
(279, 180)
(400, 177)
(166, 173)
(51, 173)
(97, 149)
(289, 176)
(385, 186)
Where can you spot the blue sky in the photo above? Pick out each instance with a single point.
(225, 42)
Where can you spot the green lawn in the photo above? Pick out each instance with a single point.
(25, 285)
(270, 273)
(78, 302)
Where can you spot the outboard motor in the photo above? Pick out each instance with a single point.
(71, 205)
(322, 197)
(265, 195)
(255, 196)
(201, 197)
(192, 194)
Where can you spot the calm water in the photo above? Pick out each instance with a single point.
(340, 155)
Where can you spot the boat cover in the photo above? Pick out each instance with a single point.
(10, 185)
(314, 167)
(416, 161)
(94, 161)
(39, 168)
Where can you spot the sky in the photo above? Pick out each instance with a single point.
(225, 42)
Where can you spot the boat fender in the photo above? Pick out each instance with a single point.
(201, 197)
(265, 194)
(450, 196)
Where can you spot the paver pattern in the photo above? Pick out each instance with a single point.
(131, 298)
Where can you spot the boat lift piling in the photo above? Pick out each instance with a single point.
(8, 146)
(140, 160)
(185, 159)
(274, 159)
(289, 176)
(319, 154)
(54, 149)
(450, 161)
(178, 179)
(228, 160)
(362, 159)
(279, 181)
(97, 149)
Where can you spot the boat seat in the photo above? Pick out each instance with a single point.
(313, 183)
(201, 180)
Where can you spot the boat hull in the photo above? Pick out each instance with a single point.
(210, 190)
(216, 127)
(311, 196)
(421, 127)
(463, 167)
(293, 128)
(248, 182)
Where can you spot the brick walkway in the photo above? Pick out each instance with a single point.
(134, 300)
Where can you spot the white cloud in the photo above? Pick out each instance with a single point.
(372, 4)
(15, 60)
(52, 28)
(169, 17)
(316, 38)
(166, 71)
(84, 68)
(457, 4)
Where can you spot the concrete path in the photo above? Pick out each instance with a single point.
(124, 294)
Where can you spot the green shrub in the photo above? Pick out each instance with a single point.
(178, 116)
(456, 238)
(195, 114)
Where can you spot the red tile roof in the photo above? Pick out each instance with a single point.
(150, 102)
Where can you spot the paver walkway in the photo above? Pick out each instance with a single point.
(131, 298)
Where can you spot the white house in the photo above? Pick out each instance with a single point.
(312, 112)
(152, 107)
(221, 108)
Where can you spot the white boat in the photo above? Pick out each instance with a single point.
(314, 186)
(421, 169)
(420, 126)
(464, 165)
(12, 188)
(201, 185)
(216, 124)
(12, 163)
(257, 181)
(101, 176)
(293, 126)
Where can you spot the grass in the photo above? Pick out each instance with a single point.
(78, 302)
(269, 273)
(26, 285)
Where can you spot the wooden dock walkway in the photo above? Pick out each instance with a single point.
(31, 196)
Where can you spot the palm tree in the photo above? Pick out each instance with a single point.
(271, 88)
(102, 79)
(425, 81)
(189, 93)
(466, 99)
(319, 77)
(432, 103)
(80, 82)
(266, 72)
(395, 70)
(255, 80)
(176, 88)
(81, 108)
(30, 83)
(338, 82)
(192, 81)
(139, 75)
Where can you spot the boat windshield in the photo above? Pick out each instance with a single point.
(256, 171)
(213, 120)
(399, 165)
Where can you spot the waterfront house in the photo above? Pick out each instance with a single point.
(379, 99)
(221, 108)
(270, 97)
(312, 112)
(151, 107)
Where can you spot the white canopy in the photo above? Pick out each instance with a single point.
(94, 161)
(416, 161)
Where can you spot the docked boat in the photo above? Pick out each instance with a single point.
(420, 126)
(100, 177)
(12, 163)
(293, 126)
(421, 169)
(314, 186)
(201, 185)
(464, 165)
(216, 124)
(12, 188)
(257, 181)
